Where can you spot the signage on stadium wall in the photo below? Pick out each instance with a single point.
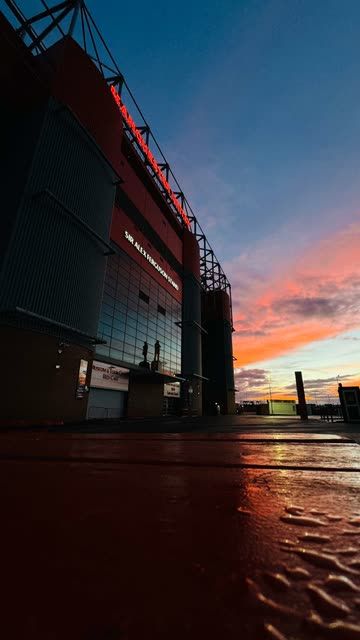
(150, 259)
(149, 156)
(81, 383)
(172, 390)
(108, 376)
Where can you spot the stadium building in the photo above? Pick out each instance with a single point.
(112, 302)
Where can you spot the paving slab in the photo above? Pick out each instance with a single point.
(120, 547)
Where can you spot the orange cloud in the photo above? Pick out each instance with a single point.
(318, 297)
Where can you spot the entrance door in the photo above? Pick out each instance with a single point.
(105, 403)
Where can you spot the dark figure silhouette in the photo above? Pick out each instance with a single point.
(145, 350)
(157, 351)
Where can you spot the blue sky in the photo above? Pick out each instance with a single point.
(256, 106)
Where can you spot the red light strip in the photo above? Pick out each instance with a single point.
(143, 146)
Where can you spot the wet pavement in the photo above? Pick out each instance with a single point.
(218, 535)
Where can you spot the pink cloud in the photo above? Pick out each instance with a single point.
(316, 296)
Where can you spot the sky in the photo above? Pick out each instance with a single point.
(256, 106)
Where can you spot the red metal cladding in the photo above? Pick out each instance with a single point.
(138, 193)
(191, 254)
(77, 82)
(150, 157)
(137, 246)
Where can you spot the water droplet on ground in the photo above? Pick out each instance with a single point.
(321, 559)
(268, 603)
(338, 629)
(355, 564)
(246, 512)
(314, 537)
(350, 532)
(277, 580)
(287, 543)
(355, 522)
(297, 573)
(304, 521)
(340, 583)
(327, 603)
(274, 633)
(294, 510)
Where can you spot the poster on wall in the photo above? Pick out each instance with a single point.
(172, 390)
(108, 376)
(81, 385)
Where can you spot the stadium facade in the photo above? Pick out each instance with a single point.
(112, 302)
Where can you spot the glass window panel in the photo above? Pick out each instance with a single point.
(109, 299)
(117, 344)
(108, 288)
(102, 350)
(132, 306)
(142, 325)
(124, 265)
(122, 288)
(129, 350)
(144, 298)
(141, 337)
(116, 354)
(106, 333)
(131, 322)
(105, 318)
(120, 306)
(118, 335)
(130, 331)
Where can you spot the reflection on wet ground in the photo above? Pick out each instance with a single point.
(169, 536)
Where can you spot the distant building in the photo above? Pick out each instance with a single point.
(350, 403)
(278, 408)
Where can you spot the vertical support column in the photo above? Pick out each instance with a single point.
(217, 352)
(301, 395)
(191, 358)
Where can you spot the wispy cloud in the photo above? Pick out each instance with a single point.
(314, 297)
(323, 383)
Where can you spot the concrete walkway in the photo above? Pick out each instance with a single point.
(197, 535)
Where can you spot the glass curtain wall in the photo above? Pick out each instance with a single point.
(136, 309)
